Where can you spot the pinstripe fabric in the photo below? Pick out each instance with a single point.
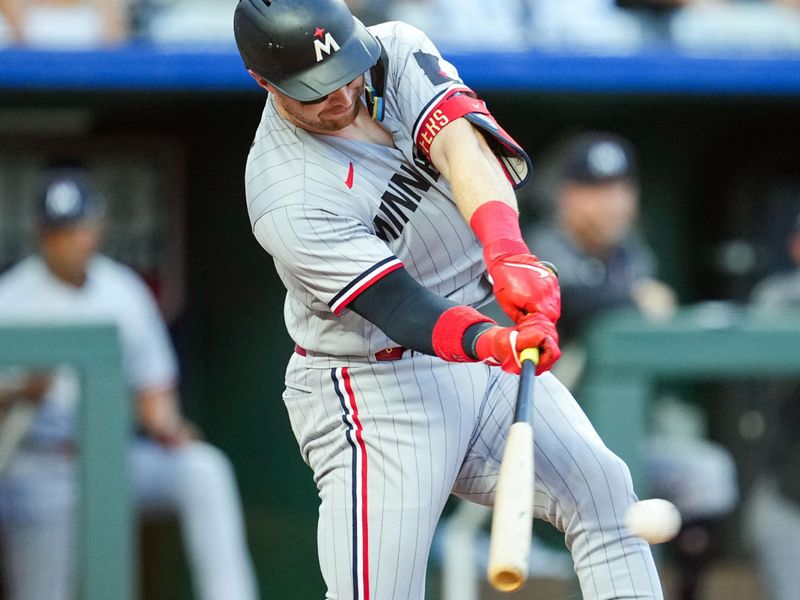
(388, 442)
(359, 478)
(414, 432)
(362, 282)
(581, 487)
(429, 429)
(329, 210)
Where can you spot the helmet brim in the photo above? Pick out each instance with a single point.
(354, 58)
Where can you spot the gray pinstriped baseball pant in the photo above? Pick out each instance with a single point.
(390, 441)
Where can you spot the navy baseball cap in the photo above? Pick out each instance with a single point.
(597, 158)
(68, 199)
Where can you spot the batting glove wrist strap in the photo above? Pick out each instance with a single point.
(448, 333)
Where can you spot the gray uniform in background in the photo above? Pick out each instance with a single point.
(39, 492)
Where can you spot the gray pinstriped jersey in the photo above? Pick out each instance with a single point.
(390, 441)
(337, 214)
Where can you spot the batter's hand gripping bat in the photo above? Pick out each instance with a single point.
(512, 520)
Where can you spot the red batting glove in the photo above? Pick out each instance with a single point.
(522, 284)
(502, 345)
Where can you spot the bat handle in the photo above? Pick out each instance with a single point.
(531, 354)
(529, 358)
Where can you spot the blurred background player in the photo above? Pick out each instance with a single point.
(68, 281)
(590, 188)
(590, 185)
(774, 507)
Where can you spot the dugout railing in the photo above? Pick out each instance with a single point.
(628, 355)
(105, 533)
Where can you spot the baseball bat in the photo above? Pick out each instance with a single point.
(512, 520)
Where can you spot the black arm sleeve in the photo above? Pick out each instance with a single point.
(402, 309)
(405, 311)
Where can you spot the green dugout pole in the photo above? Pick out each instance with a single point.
(106, 537)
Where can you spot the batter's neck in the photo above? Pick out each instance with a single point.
(366, 129)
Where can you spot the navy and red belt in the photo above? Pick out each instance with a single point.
(395, 353)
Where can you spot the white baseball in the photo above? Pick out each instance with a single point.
(655, 520)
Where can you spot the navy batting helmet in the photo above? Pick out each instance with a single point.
(305, 48)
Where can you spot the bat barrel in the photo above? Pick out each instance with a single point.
(510, 542)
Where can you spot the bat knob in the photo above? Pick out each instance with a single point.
(506, 580)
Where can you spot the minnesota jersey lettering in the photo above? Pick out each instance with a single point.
(400, 195)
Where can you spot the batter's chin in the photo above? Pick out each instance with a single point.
(340, 122)
(322, 124)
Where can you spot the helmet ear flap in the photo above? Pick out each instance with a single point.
(376, 88)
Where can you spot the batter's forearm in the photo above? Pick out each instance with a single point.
(403, 309)
(522, 284)
(462, 155)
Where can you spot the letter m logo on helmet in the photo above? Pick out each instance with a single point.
(327, 45)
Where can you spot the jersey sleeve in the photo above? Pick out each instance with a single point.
(429, 94)
(332, 257)
(148, 356)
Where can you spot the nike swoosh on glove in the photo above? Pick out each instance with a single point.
(502, 345)
(524, 285)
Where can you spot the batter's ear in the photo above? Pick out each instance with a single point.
(260, 80)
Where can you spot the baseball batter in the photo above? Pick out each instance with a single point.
(383, 189)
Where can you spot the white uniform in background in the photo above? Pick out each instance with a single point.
(39, 490)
